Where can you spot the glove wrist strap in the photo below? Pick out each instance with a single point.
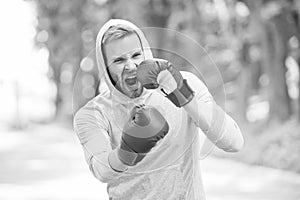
(128, 156)
(181, 96)
(115, 163)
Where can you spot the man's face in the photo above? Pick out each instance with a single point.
(123, 57)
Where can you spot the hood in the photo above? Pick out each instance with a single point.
(106, 85)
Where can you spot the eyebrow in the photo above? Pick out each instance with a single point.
(119, 57)
(124, 56)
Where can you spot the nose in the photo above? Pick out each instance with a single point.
(131, 65)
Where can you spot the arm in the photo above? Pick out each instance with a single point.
(192, 95)
(218, 126)
(91, 129)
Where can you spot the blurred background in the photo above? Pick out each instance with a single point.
(48, 72)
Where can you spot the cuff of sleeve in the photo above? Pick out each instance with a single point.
(115, 163)
(181, 96)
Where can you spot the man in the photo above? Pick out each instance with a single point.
(140, 134)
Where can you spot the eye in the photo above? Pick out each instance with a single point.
(118, 60)
(136, 55)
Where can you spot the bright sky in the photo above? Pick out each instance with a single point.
(22, 63)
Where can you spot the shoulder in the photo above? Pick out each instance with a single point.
(92, 114)
(95, 105)
(88, 108)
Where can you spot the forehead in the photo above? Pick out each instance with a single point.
(121, 46)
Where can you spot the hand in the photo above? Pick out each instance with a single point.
(143, 130)
(154, 73)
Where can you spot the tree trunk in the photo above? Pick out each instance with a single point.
(296, 18)
(280, 106)
(244, 81)
(157, 16)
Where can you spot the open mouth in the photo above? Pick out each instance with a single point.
(131, 81)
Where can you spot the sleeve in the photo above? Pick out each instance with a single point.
(91, 128)
(218, 126)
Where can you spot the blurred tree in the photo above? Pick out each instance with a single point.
(294, 7)
(280, 30)
(67, 29)
(240, 36)
(157, 14)
(273, 27)
(63, 22)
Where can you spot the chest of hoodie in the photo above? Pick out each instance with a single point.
(175, 143)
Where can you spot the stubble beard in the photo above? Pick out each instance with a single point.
(134, 93)
(130, 91)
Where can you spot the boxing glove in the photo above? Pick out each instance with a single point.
(153, 73)
(140, 134)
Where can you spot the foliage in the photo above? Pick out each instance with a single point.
(275, 145)
(227, 29)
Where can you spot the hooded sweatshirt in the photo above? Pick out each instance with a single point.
(171, 170)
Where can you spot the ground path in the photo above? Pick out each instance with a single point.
(46, 163)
